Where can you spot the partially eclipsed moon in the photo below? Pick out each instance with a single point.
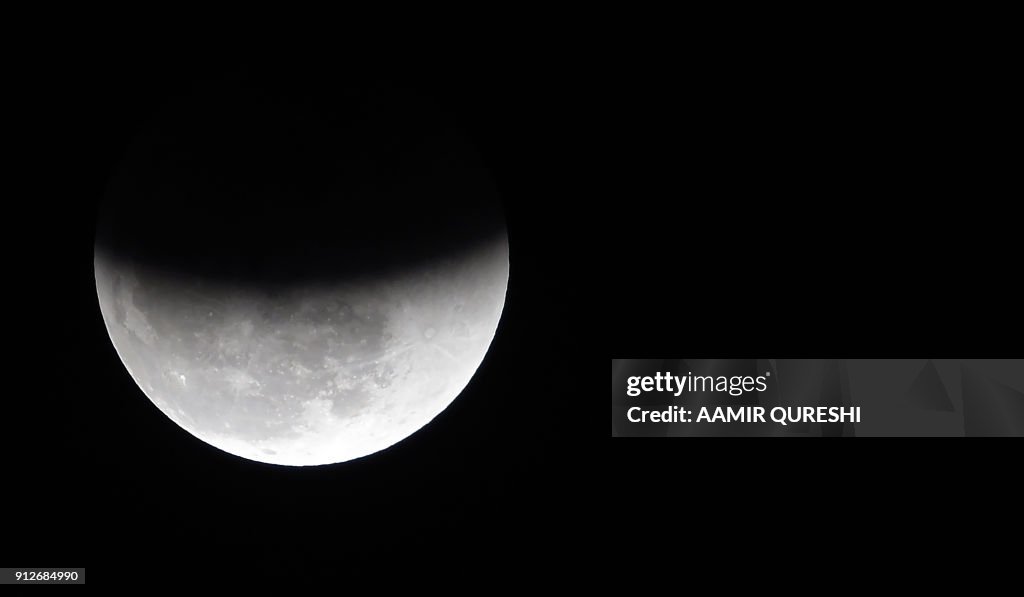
(301, 279)
(310, 377)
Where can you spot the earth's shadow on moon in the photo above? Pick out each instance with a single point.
(280, 182)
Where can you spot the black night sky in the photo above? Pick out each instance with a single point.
(659, 203)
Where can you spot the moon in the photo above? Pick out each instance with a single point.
(288, 307)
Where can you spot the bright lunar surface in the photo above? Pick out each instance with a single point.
(312, 377)
(301, 279)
